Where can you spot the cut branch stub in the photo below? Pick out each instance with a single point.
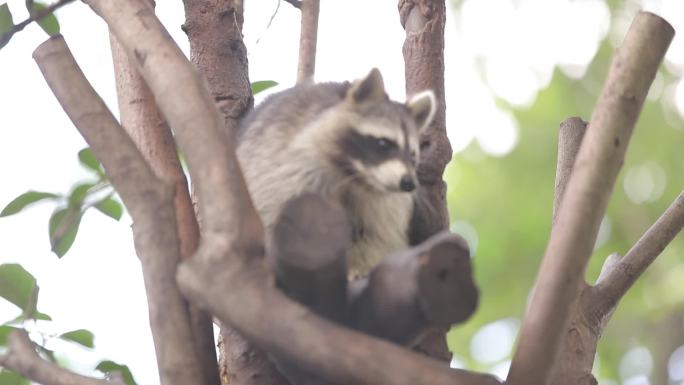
(415, 290)
(569, 140)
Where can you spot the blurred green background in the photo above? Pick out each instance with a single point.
(503, 206)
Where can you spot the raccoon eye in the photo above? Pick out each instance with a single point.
(384, 145)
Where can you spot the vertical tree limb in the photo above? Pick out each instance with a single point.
(214, 29)
(149, 201)
(583, 205)
(307, 40)
(145, 125)
(423, 52)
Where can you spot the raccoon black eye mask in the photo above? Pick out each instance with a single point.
(346, 142)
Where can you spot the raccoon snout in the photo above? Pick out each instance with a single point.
(407, 183)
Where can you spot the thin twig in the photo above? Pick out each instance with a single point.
(34, 17)
(307, 40)
(613, 285)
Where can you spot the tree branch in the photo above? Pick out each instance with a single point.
(307, 40)
(21, 357)
(37, 16)
(218, 52)
(148, 199)
(228, 275)
(423, 50)
(143, 122)
(621, 275)
(585, 200)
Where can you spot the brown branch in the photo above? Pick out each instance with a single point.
(21, 357)
(619, 277)
(143, 122)
(423, 21)
(37, 16)
(148, 199)
(307, 40)
(228, 275)
(219, 54)
(583, 205)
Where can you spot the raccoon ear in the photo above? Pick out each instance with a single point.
(370, 87)
(422, 107)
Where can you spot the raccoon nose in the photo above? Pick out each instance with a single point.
(406, 183)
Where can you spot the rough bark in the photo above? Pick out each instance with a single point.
(307, 40)
(214, 30)
(600, 157)
(423, 21)
(22, 358)
(143, 122)
(148, 199)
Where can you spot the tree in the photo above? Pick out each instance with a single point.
(232, 262)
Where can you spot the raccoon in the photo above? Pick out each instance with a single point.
(347, 142)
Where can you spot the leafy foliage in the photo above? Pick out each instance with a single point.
(19, 287)
(6, 23)
(262, 85)
(22, 201)
(80, 336)
(49, 23)
(111, 367)
(64, 222)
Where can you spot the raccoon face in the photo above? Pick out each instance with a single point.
(379, 141)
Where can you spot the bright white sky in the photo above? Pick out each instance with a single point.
(98, 285)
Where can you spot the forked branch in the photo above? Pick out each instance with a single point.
(584, 202)
(155, 235)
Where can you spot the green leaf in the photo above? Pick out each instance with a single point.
(109, 367)
(10, 378)
(49, 23)
(5, 330)
(6, 24)
(19, 287)
(262, 85)
(79, 193)
(63, 227)
(25, 199)
(41, 316)
(80, 336)
(89, 160)
(110, 208)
